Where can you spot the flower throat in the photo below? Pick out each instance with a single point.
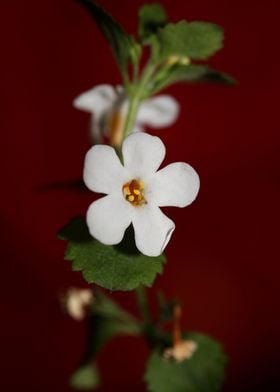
(133, 192)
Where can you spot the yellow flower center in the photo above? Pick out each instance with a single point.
(133, 192)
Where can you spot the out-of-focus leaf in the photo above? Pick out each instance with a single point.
(195, 40)
(203, 372)
(85, 378)
(103, 325)
(193, 73)
(151, 18)
(124, 46)
(108, 308)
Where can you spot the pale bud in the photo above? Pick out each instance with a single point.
(77, 301)
(181, 60)
(181, 351)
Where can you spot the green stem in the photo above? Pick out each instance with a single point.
(135, 72)
(125, 79)
(134, 103)
(137, 95)
(142, 300)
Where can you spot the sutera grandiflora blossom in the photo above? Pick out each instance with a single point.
(135, 190)
(109, 107)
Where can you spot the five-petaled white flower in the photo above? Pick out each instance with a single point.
(109, 107)
(135, 191)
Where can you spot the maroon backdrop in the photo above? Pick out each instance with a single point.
(223, 256)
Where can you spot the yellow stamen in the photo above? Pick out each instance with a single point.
(133, 192)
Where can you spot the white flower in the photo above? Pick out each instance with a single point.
(181, 351)
(77, 301)
(135, 191)
(109, 106)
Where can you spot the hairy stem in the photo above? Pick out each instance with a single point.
(134, 103)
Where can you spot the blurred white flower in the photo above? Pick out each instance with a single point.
(77, 301)
(181, 351)
(135, 191)
(108, 107)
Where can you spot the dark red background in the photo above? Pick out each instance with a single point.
(223, 256)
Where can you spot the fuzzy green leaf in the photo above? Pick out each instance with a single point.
(203, 372)
(124, 46)
(196, 40)
(85, 378)
(119, 267)
(151, 18)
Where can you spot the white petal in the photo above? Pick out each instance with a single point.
(142, 154)
(175, 185)
(103, 171)
(96, 100)
(158, 112)
(108, 218)
(152, 229)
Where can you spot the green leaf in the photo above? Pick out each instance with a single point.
(203, 372)
(192, 73)
(119, 267)
(124, 46)
(85, 378)
(198, 73)
(151, 18)
(196, 40)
